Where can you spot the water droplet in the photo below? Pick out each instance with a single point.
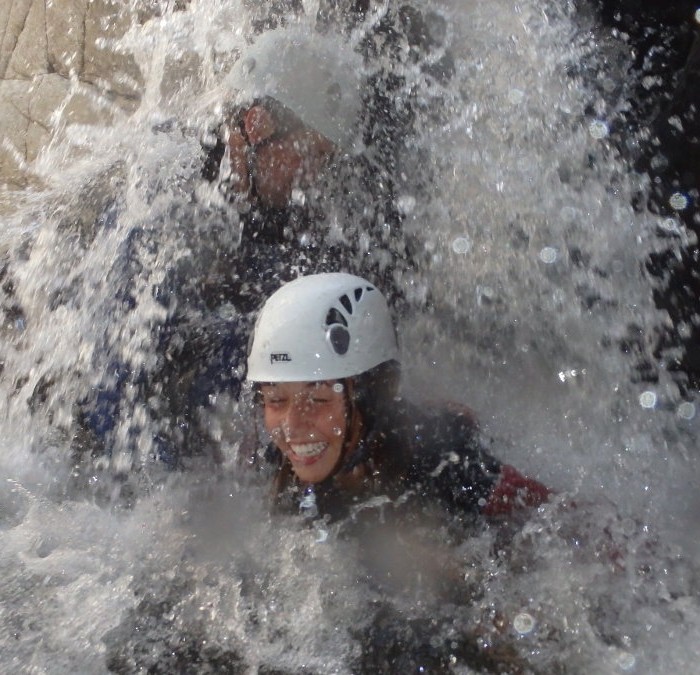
(406, 203)
(337, 431)
(686, 410)
(669, 224)
(647, 399)
(565, 375)
(626, 661)
(548, 255)
(516, 96)
(338, 387)
(678, 201)
(676, 122)
(485, 295)
(598, 129)
(524, 623)
(569, 213)
(461, 245)
(609, 84)
(298, 197)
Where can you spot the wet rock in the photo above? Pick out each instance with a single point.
(53, 56)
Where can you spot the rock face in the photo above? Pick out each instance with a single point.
(53, 59)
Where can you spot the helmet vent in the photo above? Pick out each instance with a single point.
(345, 302)
(334, 316)
(339, 337)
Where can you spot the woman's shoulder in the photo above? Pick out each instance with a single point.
(444, 455)
(432, 428)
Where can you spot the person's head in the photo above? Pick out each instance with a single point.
(271, 152)
(298, 95)
(323, 357)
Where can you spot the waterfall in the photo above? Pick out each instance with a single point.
(528, 298)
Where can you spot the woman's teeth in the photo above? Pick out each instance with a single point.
(308, 449)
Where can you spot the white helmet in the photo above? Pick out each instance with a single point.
(321, 327)
(316, 76)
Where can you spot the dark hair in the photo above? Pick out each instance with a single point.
(373, 396)
(375, 389)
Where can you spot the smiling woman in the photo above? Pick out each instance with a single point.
(308, 423)
(324, 365)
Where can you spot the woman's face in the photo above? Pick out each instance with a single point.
(307, 422)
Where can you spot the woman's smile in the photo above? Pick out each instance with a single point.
(308, 452)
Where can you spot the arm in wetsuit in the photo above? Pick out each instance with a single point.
(451, 461)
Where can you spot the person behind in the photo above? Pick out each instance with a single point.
(305, 156)
(298, 195)
(301, 157)
(324, 370)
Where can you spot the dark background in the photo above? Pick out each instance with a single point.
(665, 38)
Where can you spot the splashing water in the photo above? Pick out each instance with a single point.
(539, 315)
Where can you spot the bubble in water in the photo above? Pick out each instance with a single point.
(337, 431)
(626, 661)
(569, 214)
(565, 375)
(516, 96)
(485, 295)
(338, 387)
(548, 255)
(598, 129)
(524, 623)
(321, 534)
(678, 201)
(618, 266)
(669, 224)
(686, 410)
(647, 399)
(461, 245)
(406, 204)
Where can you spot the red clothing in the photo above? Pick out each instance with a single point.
(513, 490)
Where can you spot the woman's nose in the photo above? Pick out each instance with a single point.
(296, 421)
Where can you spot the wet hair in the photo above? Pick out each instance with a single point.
(373, 396)
(376, 389)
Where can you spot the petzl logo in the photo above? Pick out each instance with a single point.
(280, 357)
